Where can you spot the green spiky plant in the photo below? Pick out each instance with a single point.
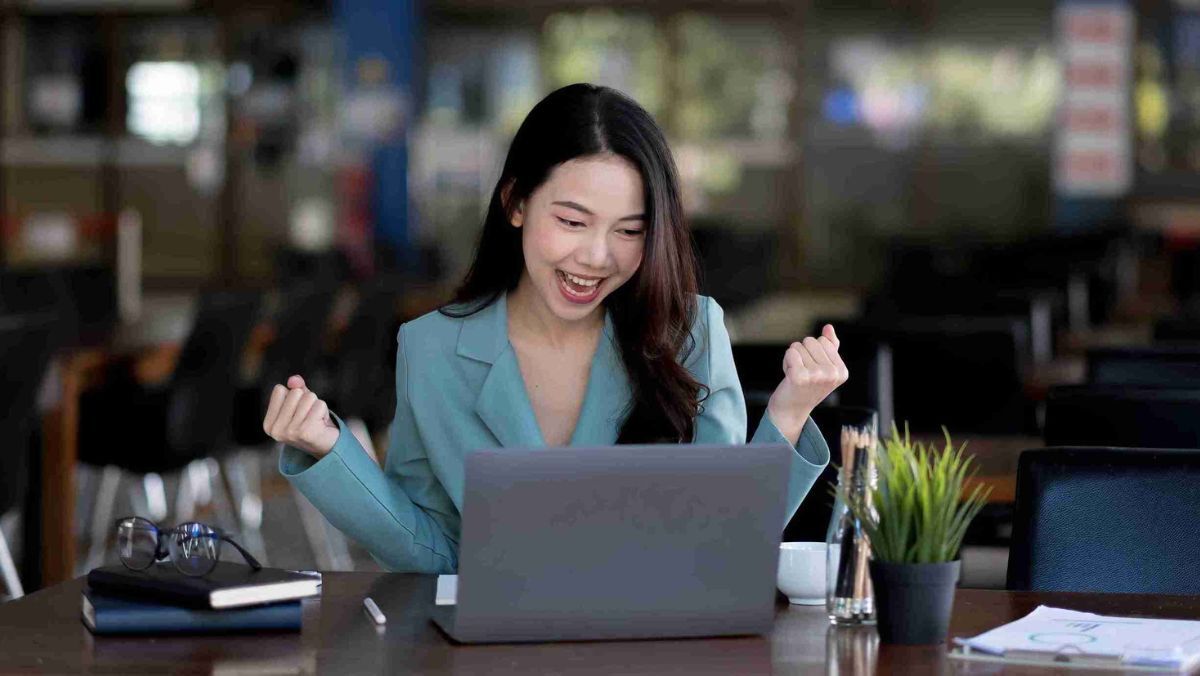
(917, 512)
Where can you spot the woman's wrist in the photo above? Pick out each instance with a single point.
(789, 423)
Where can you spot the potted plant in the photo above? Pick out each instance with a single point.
(915, 518)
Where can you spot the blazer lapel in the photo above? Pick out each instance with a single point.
(503, 404)
(607, 396)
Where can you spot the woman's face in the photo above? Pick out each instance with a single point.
(583, 233)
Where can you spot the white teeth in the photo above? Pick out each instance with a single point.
(580, 281)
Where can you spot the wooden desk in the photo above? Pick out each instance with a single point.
(42, 632)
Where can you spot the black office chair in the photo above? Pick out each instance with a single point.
(935, 360)
(358, 382)
(38, 290)
(26, 346)
(760, 369)
(1184, 329)
(1094, 415)
(1041, 311)
(1119, 520)
(362, 384)
(148, 431)
(1175, 366)
(300, 326)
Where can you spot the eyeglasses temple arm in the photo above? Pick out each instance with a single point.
(249, 557)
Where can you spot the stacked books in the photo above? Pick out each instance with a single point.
(160, 600)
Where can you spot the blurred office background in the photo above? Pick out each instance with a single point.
(984, 193)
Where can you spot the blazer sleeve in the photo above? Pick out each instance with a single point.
(375, 506)
(722, 419)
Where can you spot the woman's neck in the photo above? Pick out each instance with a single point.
(528, 316)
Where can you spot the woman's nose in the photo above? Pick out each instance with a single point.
(594, 253)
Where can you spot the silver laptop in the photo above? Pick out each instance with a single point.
(618, 542)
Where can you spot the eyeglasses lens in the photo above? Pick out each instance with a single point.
(137, 541)
(194, 548)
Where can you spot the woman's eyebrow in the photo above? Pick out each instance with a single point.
(579, 207)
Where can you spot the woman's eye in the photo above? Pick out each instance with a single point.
(569, 223)
(633, 233)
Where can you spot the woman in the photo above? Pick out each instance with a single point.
(578, 323)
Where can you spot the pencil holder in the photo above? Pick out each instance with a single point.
(849, 597)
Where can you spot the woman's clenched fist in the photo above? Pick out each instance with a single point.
(297, 417)
(812, 369)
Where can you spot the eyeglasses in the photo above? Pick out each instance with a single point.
(193, 547)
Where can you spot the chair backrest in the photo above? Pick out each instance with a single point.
(299, 329)
(1094, 415)
(33, 291)
(1175, 366)
(204, 383)
(760, 369)
(364, 368)
(966, 373)
(1178, 329)
(1107, 520)
(26, 346)
(1042, 310)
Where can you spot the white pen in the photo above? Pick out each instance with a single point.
(376, 613)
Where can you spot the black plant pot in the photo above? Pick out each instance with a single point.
(913, 600)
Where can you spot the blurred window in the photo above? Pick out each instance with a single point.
(735, 78)
(164, 101)
(625, 51)
(954, 90)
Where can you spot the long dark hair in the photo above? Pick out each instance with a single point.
(653, 312)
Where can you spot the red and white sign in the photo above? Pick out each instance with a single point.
(1093, 155)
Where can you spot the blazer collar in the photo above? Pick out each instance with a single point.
(484, 335)
(503, 402)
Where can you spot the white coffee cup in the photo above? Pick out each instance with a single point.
(801, 574)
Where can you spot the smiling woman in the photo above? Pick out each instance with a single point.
(592, 175)
(577, 324)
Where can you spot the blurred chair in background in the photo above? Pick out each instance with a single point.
(965, 373)
(1115, 415)
(1116, 520)
(1039, 310)
(736, 266)
(760, 368)
(1178, 329)
(84, 297)
(126, 427)
(361, 375)
(1154, 366)
(26, 346)
(358, 382)
(1085, 274)
(300, 328)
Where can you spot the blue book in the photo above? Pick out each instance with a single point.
(105, 615)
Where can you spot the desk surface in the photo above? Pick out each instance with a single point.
(42, 633)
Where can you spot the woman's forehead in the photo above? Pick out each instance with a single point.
(606, 185)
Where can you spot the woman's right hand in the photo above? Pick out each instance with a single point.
(296, 417)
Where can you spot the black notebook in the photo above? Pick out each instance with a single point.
(230, 585)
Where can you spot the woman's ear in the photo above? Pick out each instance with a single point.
(516, 212)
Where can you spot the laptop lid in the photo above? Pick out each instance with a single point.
(620, 542)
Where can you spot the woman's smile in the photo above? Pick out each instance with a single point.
(577, 289)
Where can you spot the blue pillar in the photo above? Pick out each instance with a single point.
(379, 46)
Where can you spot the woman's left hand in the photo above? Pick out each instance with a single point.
(812, 370)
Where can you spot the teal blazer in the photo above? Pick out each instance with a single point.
(459, 389)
